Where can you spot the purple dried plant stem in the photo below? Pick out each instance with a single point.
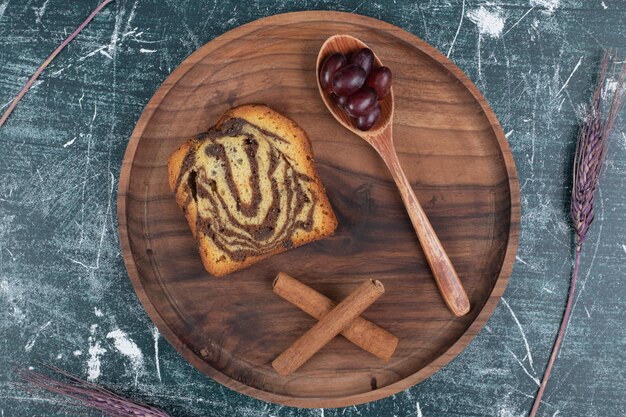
(559, 339)
(588, 162)
(48, 60)
(89, 394)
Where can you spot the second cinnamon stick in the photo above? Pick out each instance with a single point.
(365, 334)
(328, 327)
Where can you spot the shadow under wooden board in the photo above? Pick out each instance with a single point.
(453, 151)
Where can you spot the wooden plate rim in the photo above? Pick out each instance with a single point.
(316, 402)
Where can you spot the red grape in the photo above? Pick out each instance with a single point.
(380, 80)
(330, 66)
(361, 102)
(364, 58)
(340, 100)
(369, 120)
(348, 79)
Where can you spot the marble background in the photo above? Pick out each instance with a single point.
(65, 298)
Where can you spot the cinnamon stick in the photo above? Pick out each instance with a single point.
(328, 327)
(365, 334)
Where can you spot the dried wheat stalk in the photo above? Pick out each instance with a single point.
(589, 159)
(48, 60)
(88, 394)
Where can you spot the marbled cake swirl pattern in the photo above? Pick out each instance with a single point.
(250, 196)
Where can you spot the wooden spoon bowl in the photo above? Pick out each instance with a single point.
(381, 138)
(347, 44)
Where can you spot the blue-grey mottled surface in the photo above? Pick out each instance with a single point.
(65, 298)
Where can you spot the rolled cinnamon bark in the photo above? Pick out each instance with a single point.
(328, 327)
(365, 334)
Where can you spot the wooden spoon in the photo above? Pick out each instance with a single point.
(380, 137)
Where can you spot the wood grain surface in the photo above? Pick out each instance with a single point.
(452, 150)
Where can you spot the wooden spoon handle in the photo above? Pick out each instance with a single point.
(446, 277)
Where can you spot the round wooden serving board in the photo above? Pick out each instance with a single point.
(453, 151)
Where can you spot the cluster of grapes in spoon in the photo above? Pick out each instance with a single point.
(356, 86)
